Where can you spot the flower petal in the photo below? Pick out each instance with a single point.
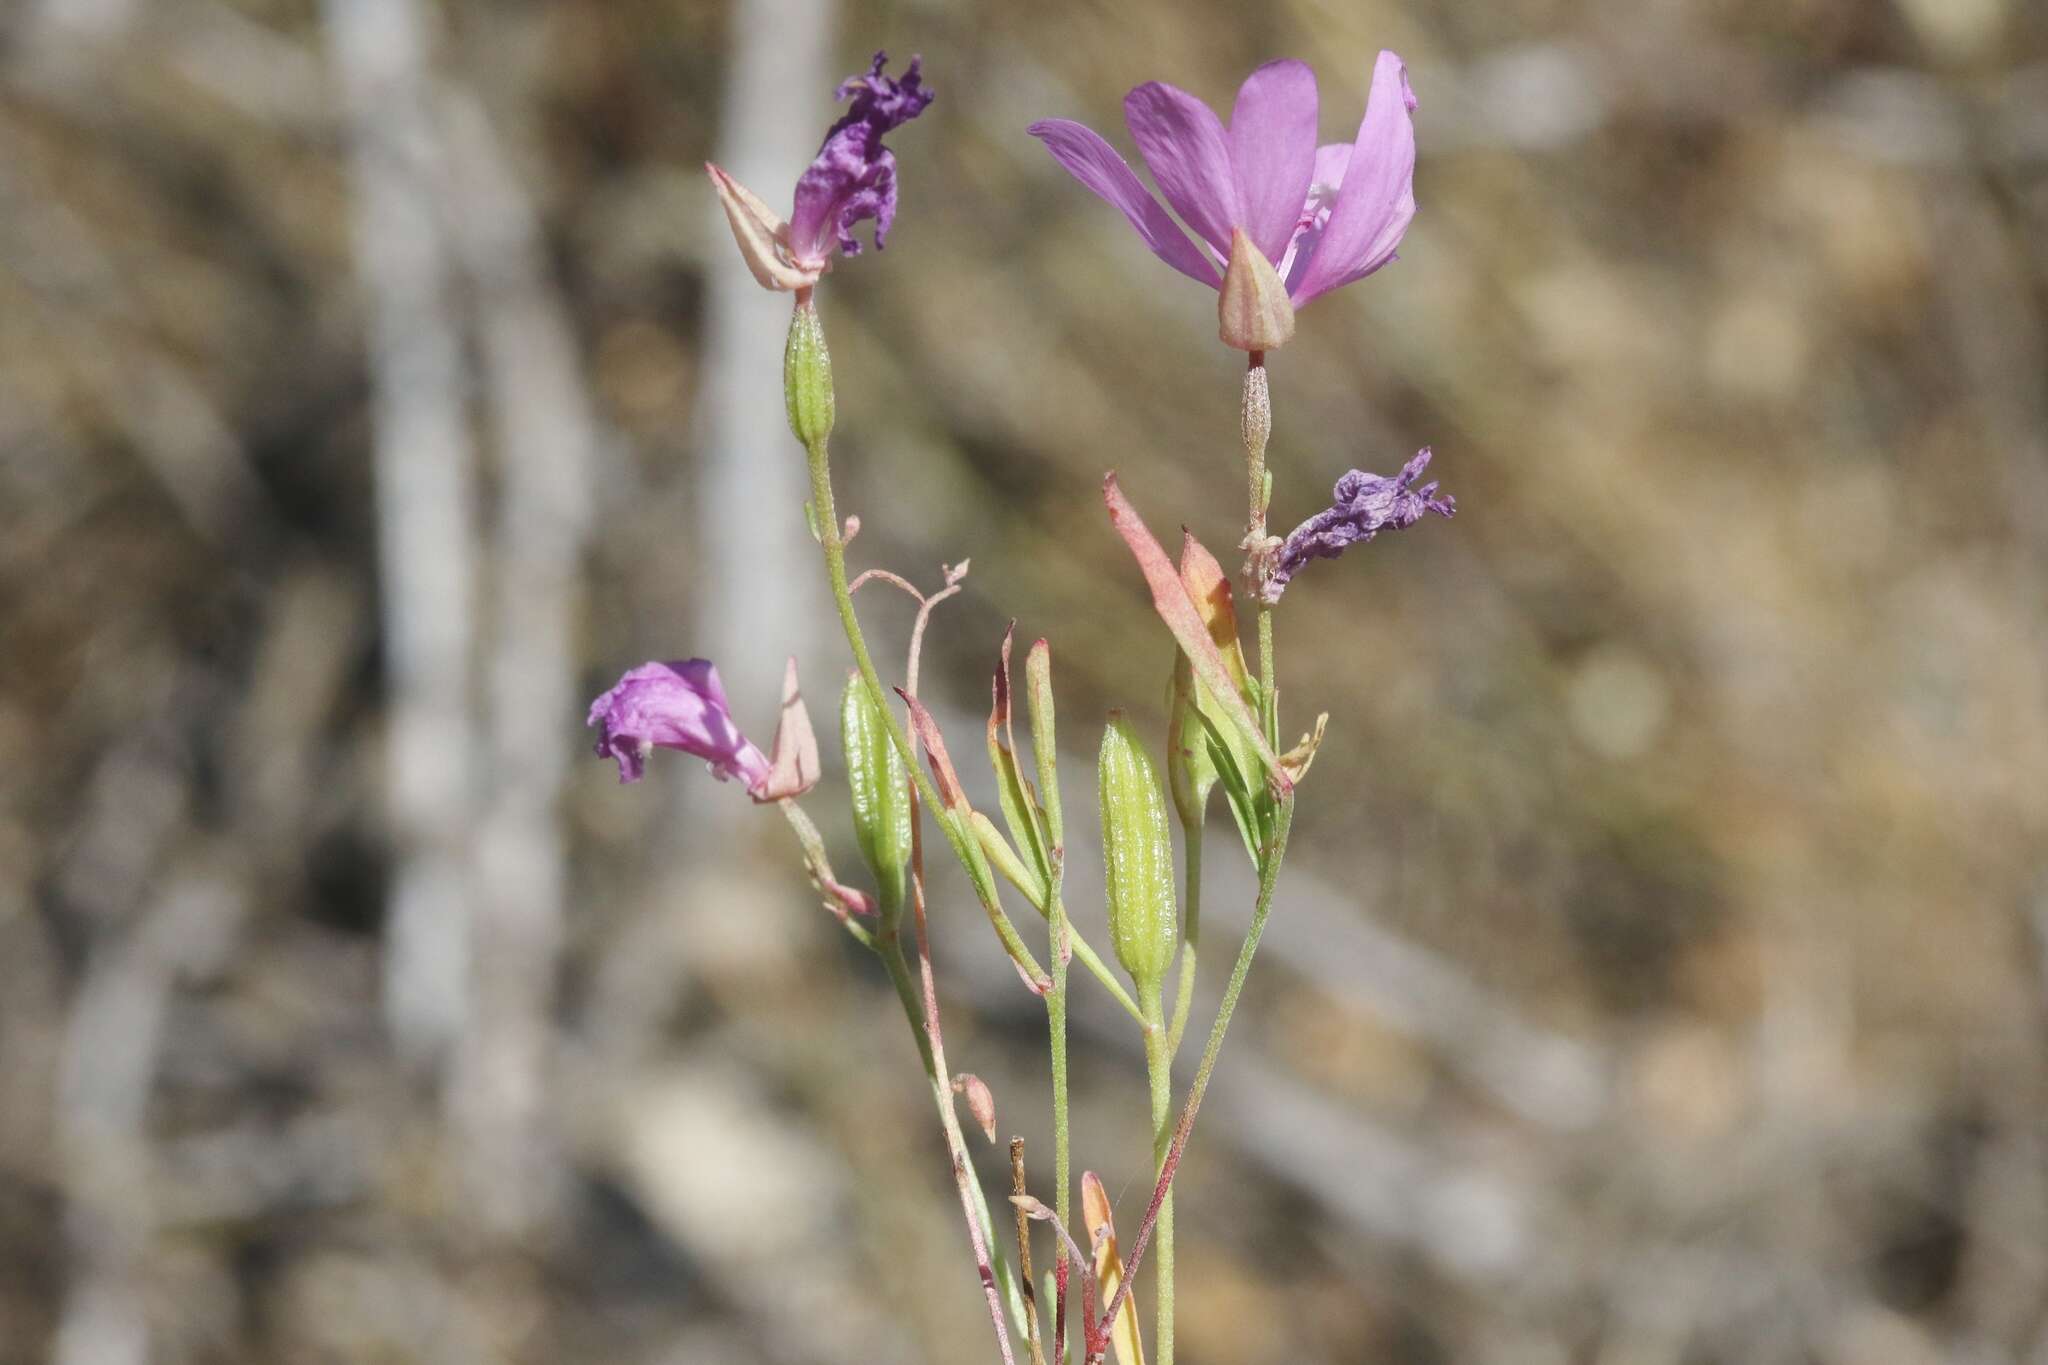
(1331, 160)
(679, 705)
(1273, 151)
(1093, 162)
(1378, 197)
(853, 177)
(1186, 150)
(1362, 506)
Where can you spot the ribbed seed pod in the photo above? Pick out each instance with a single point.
(1144, 920)
(807, 377)
(876, 778)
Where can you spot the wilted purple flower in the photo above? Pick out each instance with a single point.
(1365, 505)
(1320, 217)
(852, 179)
(674, 706)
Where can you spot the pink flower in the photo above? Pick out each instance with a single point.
(1317, 217)
(682, 706)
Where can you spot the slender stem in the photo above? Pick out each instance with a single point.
(1191, 932)
(964, 847)
(1269, 876)
(1079, 947)
(1256, 425)
(1159, 1070)
(1056, 1028)
(995, 1280)
(1018, 1186)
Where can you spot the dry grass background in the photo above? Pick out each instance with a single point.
(1662, 971)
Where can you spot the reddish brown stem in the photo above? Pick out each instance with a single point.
(1098, 1341)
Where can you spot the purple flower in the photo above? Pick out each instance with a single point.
(1365, 505)
(674, 706)
(1319, 217)
(851, 180)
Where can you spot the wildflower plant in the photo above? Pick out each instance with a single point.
(1276, 221)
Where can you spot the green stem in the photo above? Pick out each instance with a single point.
(1159, 1069)
(1269, 877)
(1191, 933)
(962, 841)
(1092, 960)
(889, 947)
(1056, 1025)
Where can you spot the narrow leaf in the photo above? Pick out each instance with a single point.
(943, 776)
(1013, 790)
(1006, 860)
(1038, 681)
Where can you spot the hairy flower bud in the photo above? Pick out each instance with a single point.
(878, 782)
(1137, 851)
(807, 377)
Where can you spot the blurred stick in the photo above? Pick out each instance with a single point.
(749, 493)
(106, 1073)
(545, 443)
(425, 517)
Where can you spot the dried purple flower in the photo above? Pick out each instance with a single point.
(854, 176)
(851, 180)
(675, 706)
(1365, 504)
(1317, 217)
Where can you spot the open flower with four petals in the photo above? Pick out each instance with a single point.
(1280, 220)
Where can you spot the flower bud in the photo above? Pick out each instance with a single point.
(1137, 851)
(1253, 312)
(877, 781)
(807, 376)
(981, 1101)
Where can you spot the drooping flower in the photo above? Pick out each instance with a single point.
(682, 705)
(1286, 220)
(1365, 505)
(851, 180)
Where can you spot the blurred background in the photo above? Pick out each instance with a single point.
(1661, 974)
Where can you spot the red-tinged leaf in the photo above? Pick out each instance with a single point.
(793, 766)
(1170, 599)
(943, 776)
(1209, 589)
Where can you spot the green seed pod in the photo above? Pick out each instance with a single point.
(876, 778)
(1137, 850)
(807, 377)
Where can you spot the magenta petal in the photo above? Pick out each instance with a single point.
(1331, 159)
(1273, 151)
(679, 705)
(1186, 150)
(1096, 165)
(1378, 197)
